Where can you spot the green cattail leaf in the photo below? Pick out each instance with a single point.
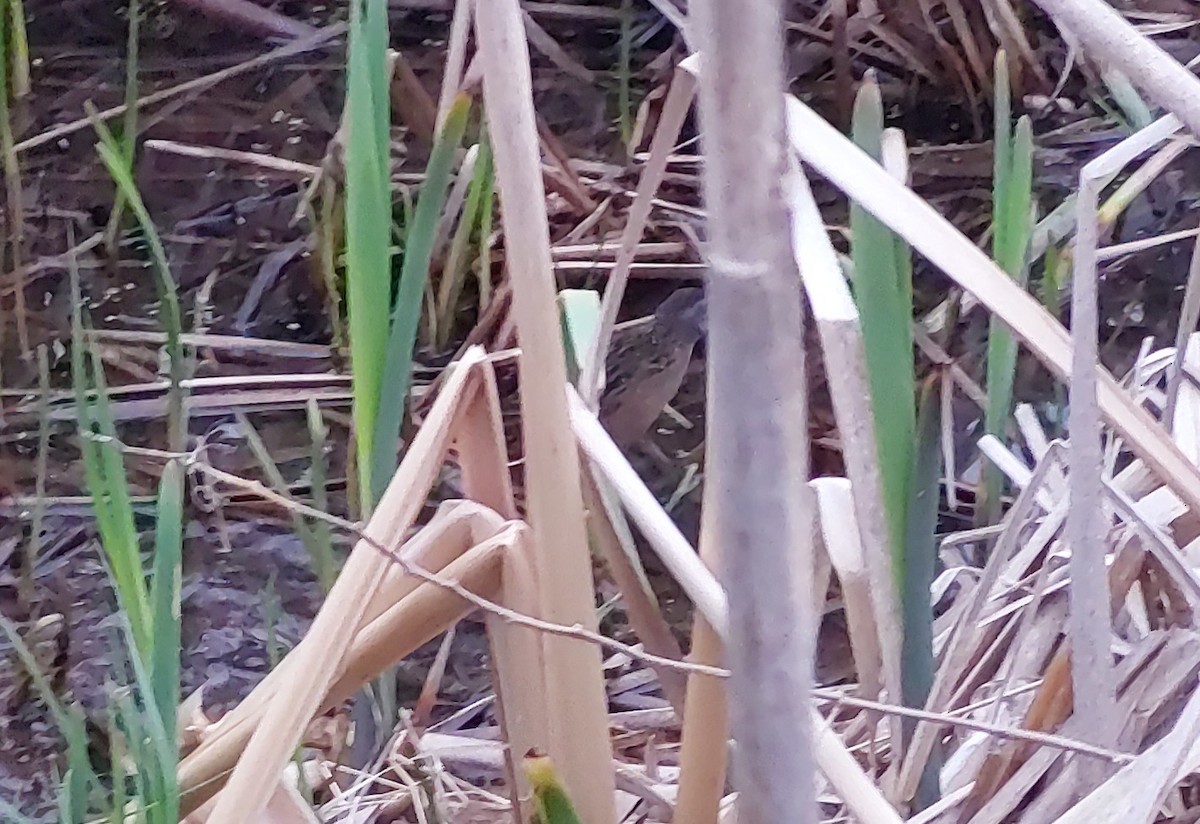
(418, 250)
(883, 292)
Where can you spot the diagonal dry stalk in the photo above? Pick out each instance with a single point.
(411, 605)
(675, 109)
(461, 545)
(931, 235)
(275, 740)
(838, 324)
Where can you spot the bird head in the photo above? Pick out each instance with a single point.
(684, 313)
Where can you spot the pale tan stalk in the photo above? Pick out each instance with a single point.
(576, 705)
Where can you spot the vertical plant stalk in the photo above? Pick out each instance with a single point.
(129, 120)
(577, 720)
(456, 58)
(704, 748)
(625, 74)
(883, 292)
(454, 270)
(919, 571)
(1092, 675)
(34, 547)
(105, 475)
(318, 475)
(840, 329)
(18, 42)
(487, 218)
(1012, 225)
(165, 595)
(758, 442)
(10, 37)
(406, 315)
(368, 213)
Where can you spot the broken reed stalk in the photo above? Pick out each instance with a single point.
(417, 618)
(838, 324)
(456, 526)
(576, 707)
(757, 396)
(929, 233)
(274, 742)
(516, 652)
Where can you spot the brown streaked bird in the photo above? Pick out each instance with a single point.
(646, 364)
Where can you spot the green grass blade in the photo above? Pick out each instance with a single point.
(883, 292)
(105, 475)
(318, 475)
(128, 141)
(1012, 229)
(155, 752)
(322, 563)
(113, 155)
(418, 250)
(13, 61)
(165, 592)
(368, 214)
(1132, 106)
(1002, 146)
(917, 667)
(18, 45)
(34, 547)
(487, 217)
(121, 544)
(457, 263)
(625, 75)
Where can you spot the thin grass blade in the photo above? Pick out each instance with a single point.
(165, 592)
(115, 160)
(104, 473)
(368, 213)
(406, 315)
(1012, 228)
(921, 551)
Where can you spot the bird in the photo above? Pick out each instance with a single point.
(646, 363)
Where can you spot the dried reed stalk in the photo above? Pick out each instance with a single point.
(575, 708)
